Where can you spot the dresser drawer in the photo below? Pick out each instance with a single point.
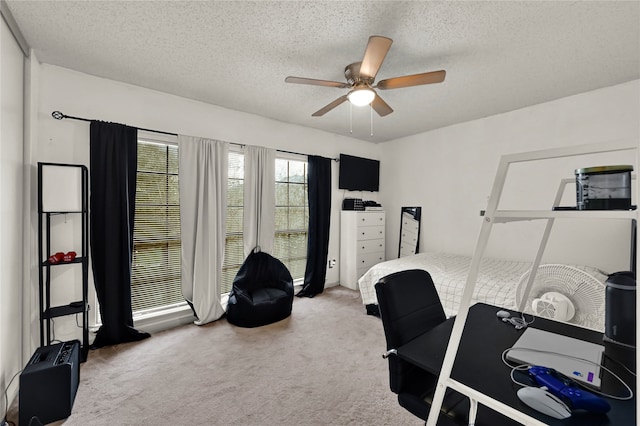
(367, 260)
(361, 271)
(370, 232)
(407, 250)
(370, 246)
(409, 237)
(371, 219)
(410, 225)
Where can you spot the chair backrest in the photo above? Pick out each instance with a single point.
(409, 306)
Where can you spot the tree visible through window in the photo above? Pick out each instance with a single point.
(292, 215)
(155, 279)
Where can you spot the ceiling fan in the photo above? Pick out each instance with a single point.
(360, 79)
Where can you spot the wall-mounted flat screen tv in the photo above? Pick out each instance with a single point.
(359, 174)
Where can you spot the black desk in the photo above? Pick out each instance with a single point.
(479, 365)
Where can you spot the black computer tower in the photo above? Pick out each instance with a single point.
(49, 382)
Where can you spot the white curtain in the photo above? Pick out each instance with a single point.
(203, 215)
(259, 199)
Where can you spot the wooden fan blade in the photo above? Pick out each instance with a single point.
(314, 82)
(332, 105)
(377, 49)
(412, 80)
(380, 106)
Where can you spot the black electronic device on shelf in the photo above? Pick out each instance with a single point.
(352, 204)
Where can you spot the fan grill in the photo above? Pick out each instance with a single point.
(583, 289)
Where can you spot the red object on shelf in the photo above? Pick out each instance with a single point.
(55, 258)
(69, 257)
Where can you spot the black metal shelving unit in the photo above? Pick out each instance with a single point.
(79, 307)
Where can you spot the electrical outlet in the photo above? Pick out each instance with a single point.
(332, 263)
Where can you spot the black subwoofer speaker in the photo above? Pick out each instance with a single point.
(620, 302)
(49, 382)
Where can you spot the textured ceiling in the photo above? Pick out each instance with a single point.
(499, 56)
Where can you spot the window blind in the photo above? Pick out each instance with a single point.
(234, 248)
(155, 279)
(292, 215)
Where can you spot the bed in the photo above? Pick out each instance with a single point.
(496, 283)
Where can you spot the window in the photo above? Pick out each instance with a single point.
(155, 275)
(234, 248)
(292, 215)
(155, 279)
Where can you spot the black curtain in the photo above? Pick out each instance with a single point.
(319, 215)
(113, 163)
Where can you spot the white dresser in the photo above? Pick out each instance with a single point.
(361, 244)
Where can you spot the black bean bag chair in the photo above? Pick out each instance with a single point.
(262, 292)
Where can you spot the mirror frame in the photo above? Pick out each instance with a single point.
(416, 212)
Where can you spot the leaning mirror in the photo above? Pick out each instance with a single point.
(409, 231)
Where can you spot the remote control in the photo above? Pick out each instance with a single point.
(567, 390)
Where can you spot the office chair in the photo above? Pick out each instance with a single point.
(409, 307)
(262, 292)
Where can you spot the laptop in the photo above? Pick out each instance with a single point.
(581, 371)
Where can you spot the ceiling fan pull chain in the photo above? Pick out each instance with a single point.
(371, 117)
(350, 118)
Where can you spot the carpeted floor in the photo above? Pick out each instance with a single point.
(321, 366)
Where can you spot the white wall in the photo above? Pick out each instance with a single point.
(82, 95)
(11, 211)
(450, 171)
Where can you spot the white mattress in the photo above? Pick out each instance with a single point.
(496, 283)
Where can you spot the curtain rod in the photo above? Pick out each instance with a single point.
(299, 153)
(59, 116)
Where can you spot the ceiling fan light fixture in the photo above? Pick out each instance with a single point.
(361, 97)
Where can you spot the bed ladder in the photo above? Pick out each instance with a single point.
(493, 216)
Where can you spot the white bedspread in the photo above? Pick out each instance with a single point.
(496, 284)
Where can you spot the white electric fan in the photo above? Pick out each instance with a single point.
(565, 293)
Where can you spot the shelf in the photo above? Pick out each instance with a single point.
(51, 197)
(78, 259)
(502, 216)
(60, 311)
(68, 212)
